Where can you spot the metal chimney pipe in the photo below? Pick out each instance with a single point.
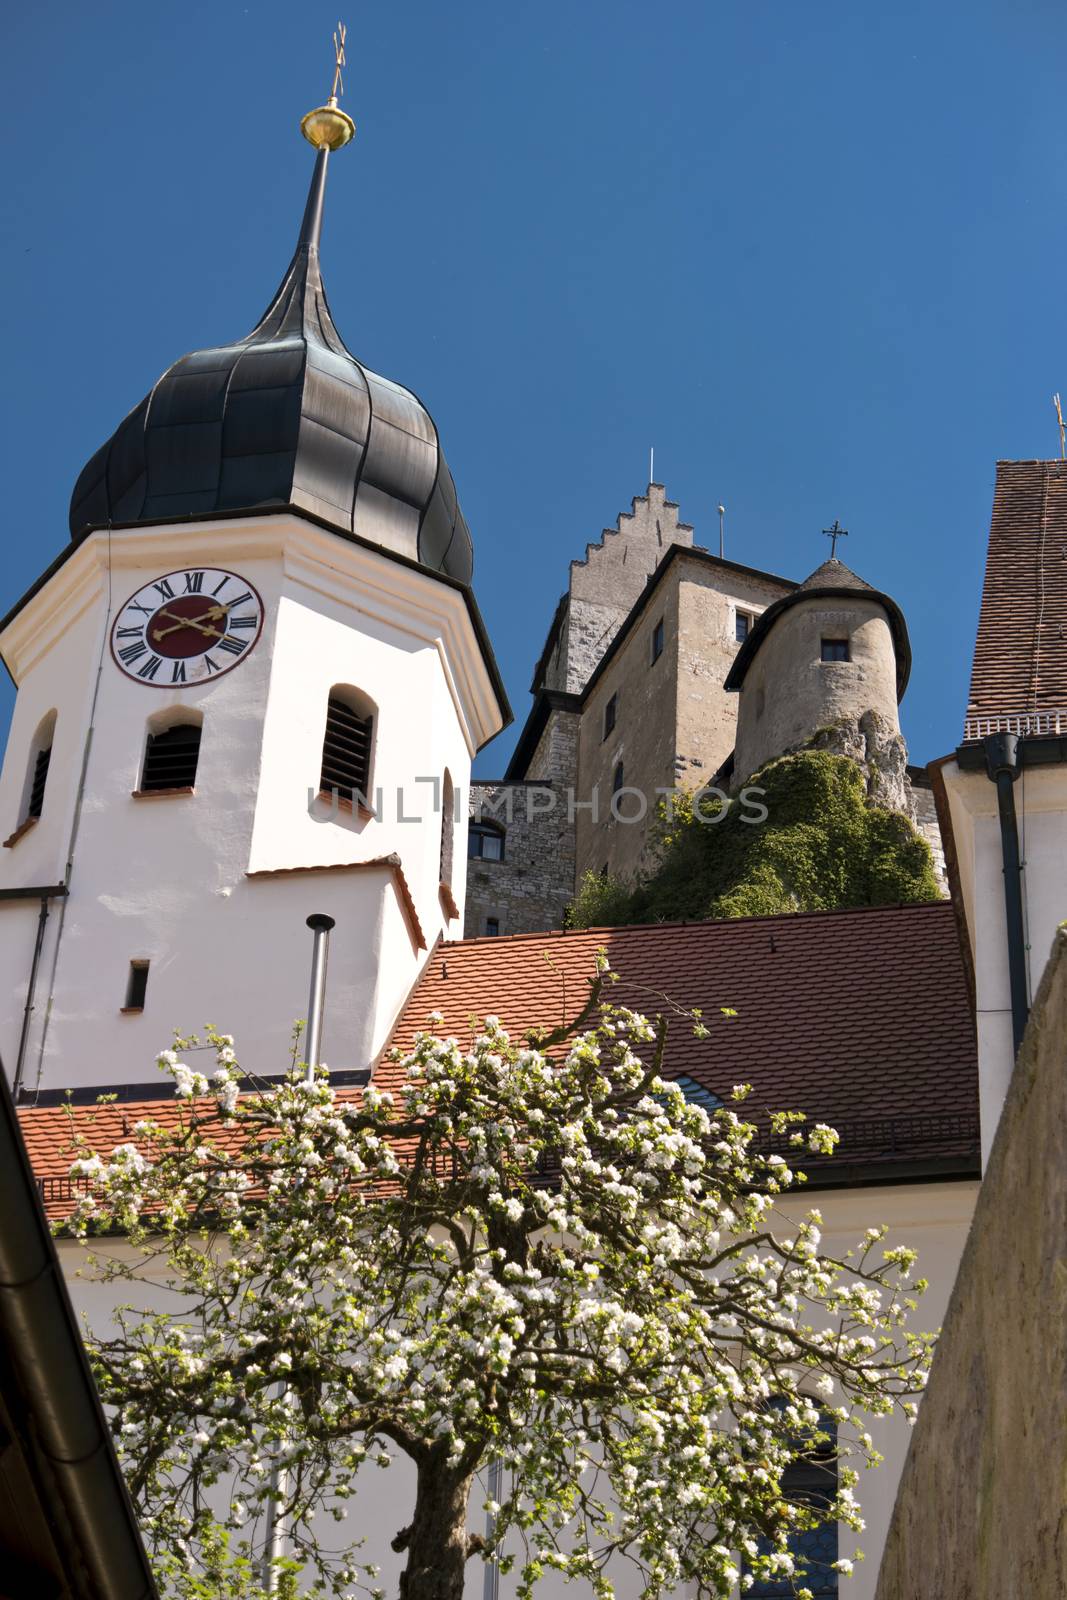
(320, 925)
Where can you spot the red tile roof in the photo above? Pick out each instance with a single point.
(1020, 656)
(859, 1018)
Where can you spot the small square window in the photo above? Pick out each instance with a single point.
(657, 640)
(742, 625)
(611, 711)
(492, 927)
(835, 650)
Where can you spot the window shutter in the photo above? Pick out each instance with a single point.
(346, 751)
(40, 779)
(170, 758)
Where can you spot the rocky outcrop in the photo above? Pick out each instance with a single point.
(879, 751)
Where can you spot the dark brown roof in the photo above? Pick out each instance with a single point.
(859, 1018)
(1020, 656)
(833, 574)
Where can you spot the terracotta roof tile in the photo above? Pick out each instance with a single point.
(859, 1018)
(855, 1017)
(1020, 656)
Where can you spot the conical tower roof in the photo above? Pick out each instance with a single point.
(831, 581)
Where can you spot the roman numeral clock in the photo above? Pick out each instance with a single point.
(186, 627)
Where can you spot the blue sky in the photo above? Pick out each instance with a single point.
(814, 255)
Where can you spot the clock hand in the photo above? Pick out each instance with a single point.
(191, 622)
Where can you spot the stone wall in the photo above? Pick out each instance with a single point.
(604, 585)
(529, 889)
(981, 1513)
(789, 692)
(674, 721)
(924, 815)
(642, 740)
(710, 599)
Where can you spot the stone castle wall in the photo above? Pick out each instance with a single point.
(980, 1508)
(528, 891)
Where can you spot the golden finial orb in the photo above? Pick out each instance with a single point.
(328, 127)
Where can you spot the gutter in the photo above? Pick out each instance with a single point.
(89, 1511)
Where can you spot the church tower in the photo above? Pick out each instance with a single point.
(250, 689)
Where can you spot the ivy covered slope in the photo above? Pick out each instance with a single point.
(821, 847)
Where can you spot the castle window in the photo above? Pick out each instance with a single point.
(485, 841)
(136, 986)
(170, 759)
(347, 747)
(492, 927)
(36, 780)
(835, 650)
(657, 640)
(617, 778)
(742, 625)
(610, 713)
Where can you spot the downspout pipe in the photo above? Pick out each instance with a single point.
(1002, 766)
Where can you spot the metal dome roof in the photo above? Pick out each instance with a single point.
(286, 418)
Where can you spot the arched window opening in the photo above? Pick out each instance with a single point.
(448, 829)
(171, 755)
(347, 746)
(810, 1479)
(485, 841)
(37, 769)
(39, 781)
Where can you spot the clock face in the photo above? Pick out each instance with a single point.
(188, 627)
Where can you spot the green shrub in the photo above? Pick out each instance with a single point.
(822, 847)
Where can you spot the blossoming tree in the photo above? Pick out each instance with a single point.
(541, 1256)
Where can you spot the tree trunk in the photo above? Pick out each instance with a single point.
(437, 1542)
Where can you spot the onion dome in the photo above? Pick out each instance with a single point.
(832, 581)
(284, 419)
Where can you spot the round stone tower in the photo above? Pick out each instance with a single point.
(834, 654)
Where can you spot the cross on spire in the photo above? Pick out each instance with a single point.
(833, 534)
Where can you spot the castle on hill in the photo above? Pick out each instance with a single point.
(669, 669)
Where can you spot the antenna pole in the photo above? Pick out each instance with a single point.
(1063, 426)
(652, 465)
(722, 533)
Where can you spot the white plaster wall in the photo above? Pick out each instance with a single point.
(1041, 810)
(789, 691)
(933, 1218)
(166, 879)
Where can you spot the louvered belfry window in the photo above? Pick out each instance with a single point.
(40, 779)
(346, 752)
(170, 758)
